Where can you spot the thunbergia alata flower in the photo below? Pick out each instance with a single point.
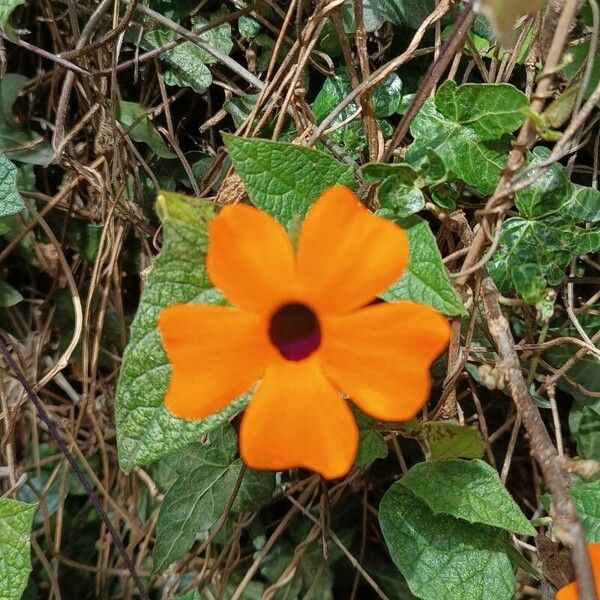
(302, 325)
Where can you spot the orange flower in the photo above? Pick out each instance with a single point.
(571, 591)
(302, 324)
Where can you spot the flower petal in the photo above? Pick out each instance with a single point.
(216, 354)
(346, 255)
(250, 258)
(298, 419)
(380, 356)
(571, 591)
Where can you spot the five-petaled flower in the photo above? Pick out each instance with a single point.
(301, 323)
(571, 591)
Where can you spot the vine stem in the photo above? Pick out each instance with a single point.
(568, 526)
(20, 376)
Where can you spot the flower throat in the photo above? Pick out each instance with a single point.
(295, 331)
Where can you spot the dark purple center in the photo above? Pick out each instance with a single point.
(295, 331)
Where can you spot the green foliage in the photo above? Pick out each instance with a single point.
(137, 124)
(386, 101)
(206, 479)
(16, 142)
(284, 179)
(10, 199)
(448, 439)
(441, 557)
(472, 490)
(584, 423)
(15, 550)
(8, 295)
(145, 429)
(188, 62)
(425, 279)
(371, 445)
(398, 12)
(537, 246)
(401, 190)
(466, 126)
(586, 495)
(6, 9)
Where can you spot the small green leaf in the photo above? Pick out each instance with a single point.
(489, 110)
(371, 445)
(449, 439)
(529, 282)
(284, 179)
(248, 27)
(548, 192)
(443, 558)
(8, 295)
(134, 119)
(467, 489)
(425, 279)
(6, 9)
(587, 502)
(146, 431)
(193, 504)
(10, 199)
(16, 519)
(403, 200)
(584, 424)
(524, 241)
(350, 134)
(387, 96)
(17, 143)
(477, 162)
(187, 61)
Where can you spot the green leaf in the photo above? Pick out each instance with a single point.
(377, 12)
(522, 241)
(548, 192)
(187, 61)
(187, 67)
(489, 110)
(146, 431)
(17, 143)
(371, 445)
(443, 558)
(587, 502)
(529, 282)
(10, 199)
(477, 162)
(425, 279)
(584, 424)
(6, 9)
(240, 107)
(284, 179)
(386, 100)
(402, 199)
(134, 119)
(580, 53)
(449, 439)
(173, 9)
(8, 295)
(193, 504)
(387, 96)
(248, 27)
(467, 489)
(584, 204)
(466, 126)
(15, 547)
